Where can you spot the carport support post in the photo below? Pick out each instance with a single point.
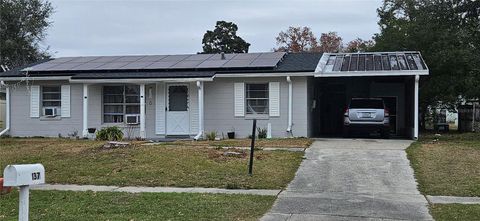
(85, 110)
(23, 203)
(142, 111)
(415, 114)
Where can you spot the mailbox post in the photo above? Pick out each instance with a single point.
(23, 176)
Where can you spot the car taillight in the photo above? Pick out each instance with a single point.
(386, 112)
(345, 113)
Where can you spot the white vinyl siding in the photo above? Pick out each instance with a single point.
(65, 103)
(34, 101)
(160, 109)
(274, 99)
(239, 96)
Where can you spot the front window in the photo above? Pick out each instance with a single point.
(256, 98)
(120, 100)
(51, 98)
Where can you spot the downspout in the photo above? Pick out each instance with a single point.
(7, 111)
(200, 110)
(290, 106)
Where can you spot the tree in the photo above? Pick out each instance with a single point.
(330, 42)
(297, 39)
(359, 45)
(224, 39)
(23, 24)
(438, 30)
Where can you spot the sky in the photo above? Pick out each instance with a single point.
(83, 28)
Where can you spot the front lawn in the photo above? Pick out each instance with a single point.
(447, 165)
(85, 162)
(449, 212)
(67, 205)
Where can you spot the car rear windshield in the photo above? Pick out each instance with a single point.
(366, 103)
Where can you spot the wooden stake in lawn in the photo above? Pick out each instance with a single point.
(252, 147)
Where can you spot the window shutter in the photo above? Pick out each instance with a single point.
(239, 96)
(34, 101)
(65, 101)
(160, 109)
(274, 99)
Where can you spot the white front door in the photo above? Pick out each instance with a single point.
(178, 116)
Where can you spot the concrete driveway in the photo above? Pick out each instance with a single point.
(352, 179)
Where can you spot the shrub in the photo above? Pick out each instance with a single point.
(211, 135)
(110, 134)
(262, 132)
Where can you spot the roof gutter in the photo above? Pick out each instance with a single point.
(264, 74)
(7, 112)
(46, 78)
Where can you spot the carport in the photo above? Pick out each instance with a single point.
(392, 76)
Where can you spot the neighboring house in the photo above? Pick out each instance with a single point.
(296, 94)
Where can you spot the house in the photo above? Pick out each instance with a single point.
(155, 96)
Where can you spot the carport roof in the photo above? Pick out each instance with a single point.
(371, 64)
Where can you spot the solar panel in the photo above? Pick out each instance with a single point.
(161, 65)
(107, 58)
(187, 64)
(151, 58)
(83, 59)
(237, 63)
(64, 66)
(176, 58)
(212, 63)
(129, 58)
(88, 66)
(192, 61)
(61, 60)
(264, 62)
(385, 61)
(246, 56)
(274, 55)
(219, 57)
(112, 65)
(137, 65)
(198, 57)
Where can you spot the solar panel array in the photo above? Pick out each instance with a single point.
(389, 61)
(194, 61)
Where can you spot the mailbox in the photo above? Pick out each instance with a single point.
(24, 175)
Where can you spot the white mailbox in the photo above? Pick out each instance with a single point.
(23, 175)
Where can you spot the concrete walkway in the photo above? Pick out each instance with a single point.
(352, 179)
(453, 199)
(136, 189)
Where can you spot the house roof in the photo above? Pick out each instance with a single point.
(168, 66)
(371, 64)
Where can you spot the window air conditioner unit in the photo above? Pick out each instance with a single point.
(132, 119)
(50, 111)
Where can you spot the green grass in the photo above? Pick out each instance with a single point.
(84, 162)
(67, 205)
(450, 212)
(447, 165)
